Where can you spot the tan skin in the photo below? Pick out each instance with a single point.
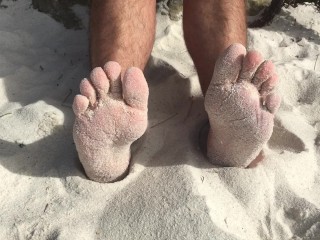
(123, 31)
(129, 40)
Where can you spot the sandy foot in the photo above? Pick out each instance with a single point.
(240, 103)
(111, 113)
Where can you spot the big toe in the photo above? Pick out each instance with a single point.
(135, 88)
(228, 65)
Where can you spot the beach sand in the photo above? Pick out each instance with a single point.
(172, 191)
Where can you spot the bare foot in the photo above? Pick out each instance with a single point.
(241, 106)
(110, 115)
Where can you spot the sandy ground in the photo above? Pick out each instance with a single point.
(171, 192)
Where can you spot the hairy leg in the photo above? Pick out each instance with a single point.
(210, 26)
(122, 31)
(111, 111)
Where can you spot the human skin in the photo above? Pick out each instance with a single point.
(111, 111)
(122, 31)
(210, 26)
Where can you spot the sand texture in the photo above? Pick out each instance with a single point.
(172, 191)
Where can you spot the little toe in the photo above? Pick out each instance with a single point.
(87, 90)
(272, 102)
(269, 85)
(135, 88)
(100, 82)
(113, 71)
(263, 73)
(80, 104)
(251, 62)
(228, 65)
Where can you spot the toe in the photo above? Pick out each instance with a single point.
(273, 101)
(228, 65)
(87, 90)
(100, 82)
(251, 62)
(135, 89)
(269, 85)
(113, 72)
(263, 73)
(80, 104)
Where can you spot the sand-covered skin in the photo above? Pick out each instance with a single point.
(45, 193)
(111, 113)
(240, 103)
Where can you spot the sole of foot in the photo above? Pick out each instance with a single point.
(241, 104)
(111, 113)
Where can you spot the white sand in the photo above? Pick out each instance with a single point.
(172, 192)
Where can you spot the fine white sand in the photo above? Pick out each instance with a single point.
(171, 192)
